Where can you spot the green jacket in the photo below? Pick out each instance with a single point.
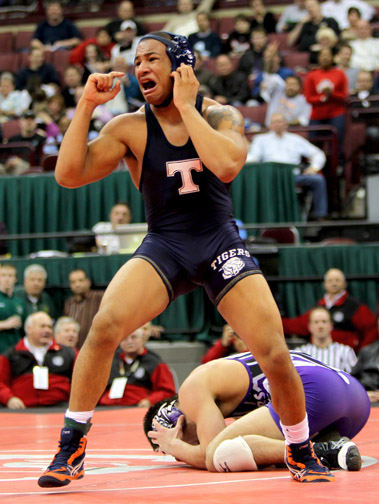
(9, 306)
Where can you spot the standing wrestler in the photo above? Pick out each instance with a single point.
(182, 152)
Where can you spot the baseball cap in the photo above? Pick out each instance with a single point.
(129, 24)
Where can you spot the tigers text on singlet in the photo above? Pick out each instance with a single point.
(179, 192)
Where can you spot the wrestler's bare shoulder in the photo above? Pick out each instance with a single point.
(128, 129)
(126, 124)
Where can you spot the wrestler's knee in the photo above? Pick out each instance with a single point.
(230, 455)
(275, 360)
(106, 330)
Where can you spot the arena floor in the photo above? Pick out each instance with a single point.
(121, 468)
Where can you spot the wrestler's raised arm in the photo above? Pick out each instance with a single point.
(80, 163)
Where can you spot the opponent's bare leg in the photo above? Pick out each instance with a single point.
(260, 432)
(250, 309)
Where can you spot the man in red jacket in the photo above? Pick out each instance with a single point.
(326, 89)
(229, 343)
(354, 323)
(37, 371)
(138, 376)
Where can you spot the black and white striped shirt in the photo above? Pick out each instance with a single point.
(335, 355)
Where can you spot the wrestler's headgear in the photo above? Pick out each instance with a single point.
(165, 413)
(178, 48)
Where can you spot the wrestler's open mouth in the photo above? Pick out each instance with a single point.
(148, 85)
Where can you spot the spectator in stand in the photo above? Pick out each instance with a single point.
(251, 62)
(11, 308)
(12, 104)
(326, 89)
(125, 12)
(72, 79)
(102, 40)
(109, 243)
(354, 324)
(94, 61)
(322, 347)
(343, 62)
(237, 42)
(291, 15)
(205, 41)
(304, 33)
(364, 90)
(184, 22)
(289, 101)
(365, 97)
(30, 134)
(49, 116)
(272, 76)
(229, 343)
(130, 97)
(52, 143)
(55, 32)
(83, 305)
(338, 10)
(326, 38)
(33, 295)
(261, 17)
(229, 87)
(280, 146)
(365, 48)
(127, 45)
(66, 332)
(152, 331)
(37, 66)
(366, 369)
(203, 74)
(138, 376)
(351, 31)
(37, 371)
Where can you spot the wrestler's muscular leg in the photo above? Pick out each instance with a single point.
(135, 296)
(251, 311)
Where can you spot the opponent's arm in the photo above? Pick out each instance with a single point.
(197, 399)
(79, 162)
(219, 137)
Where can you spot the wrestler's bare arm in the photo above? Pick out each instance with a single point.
(218, 136)
(80, 162)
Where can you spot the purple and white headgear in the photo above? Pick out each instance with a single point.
(168, 414)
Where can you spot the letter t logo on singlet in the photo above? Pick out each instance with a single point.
(184, 168)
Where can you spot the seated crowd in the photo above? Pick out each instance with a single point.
(39, 342)
(249, 62)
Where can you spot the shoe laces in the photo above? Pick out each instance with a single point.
(64, 453)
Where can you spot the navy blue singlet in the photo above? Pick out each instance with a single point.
(192, 237)
(180, 193)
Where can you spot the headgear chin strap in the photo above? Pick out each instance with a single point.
(168, 414)
(178, 49)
